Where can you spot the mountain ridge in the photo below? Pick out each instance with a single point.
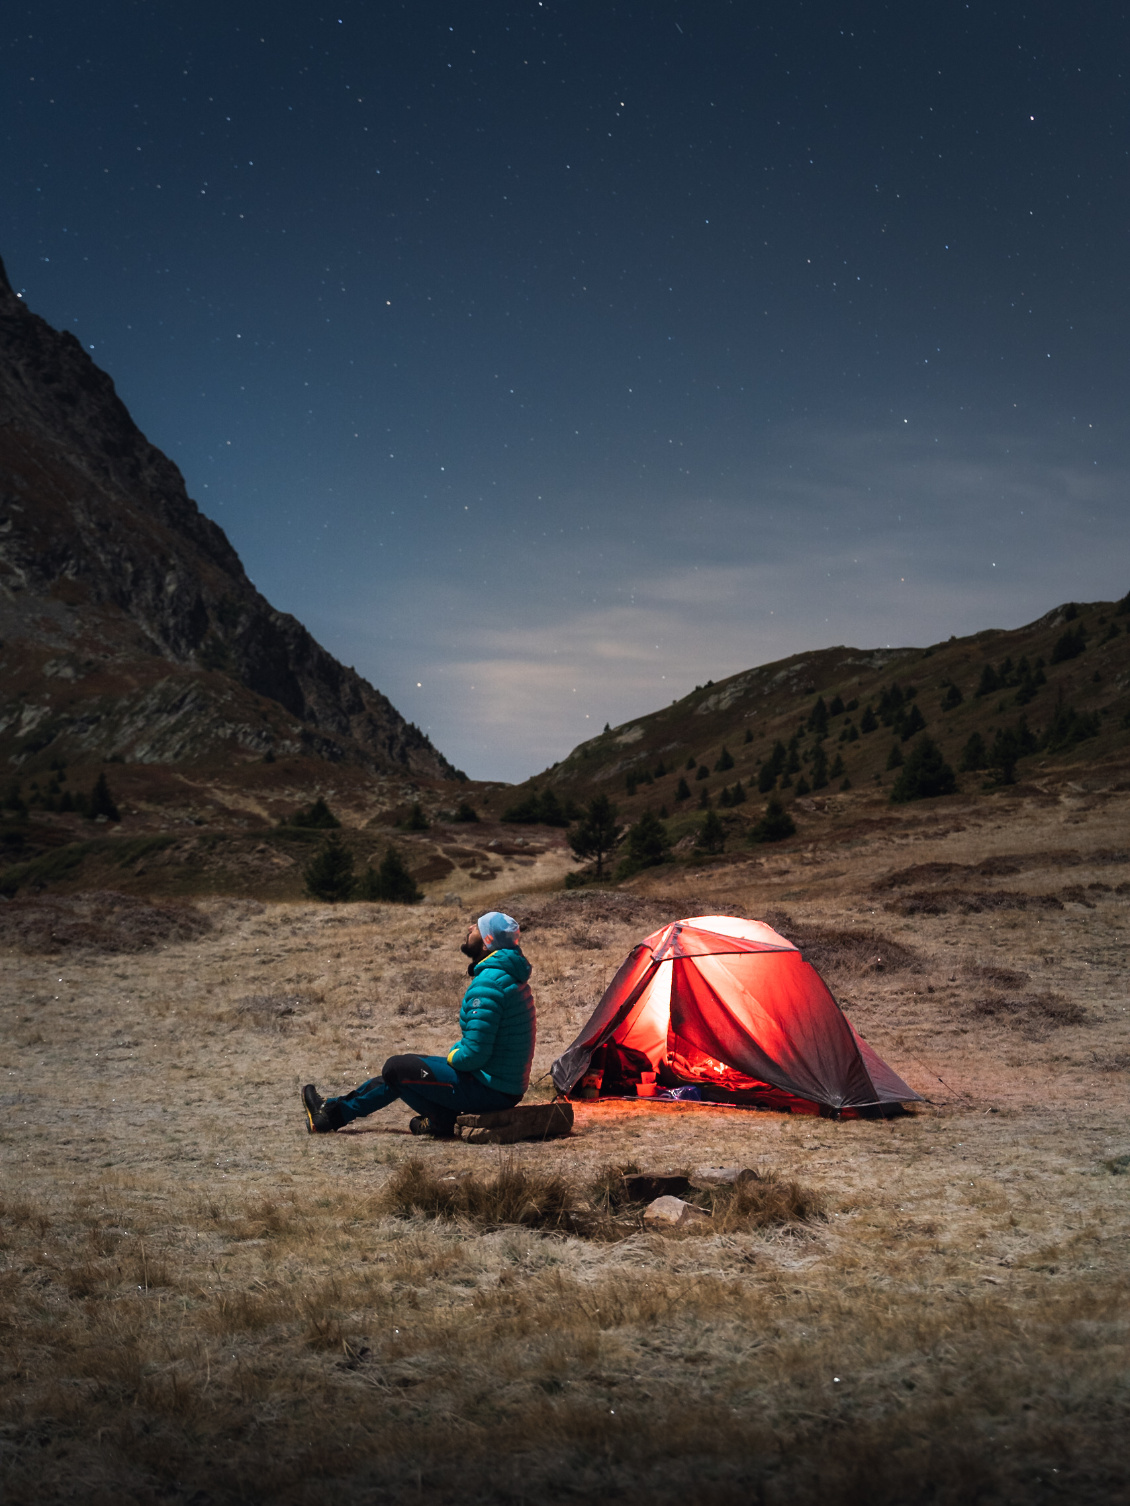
(115, 585)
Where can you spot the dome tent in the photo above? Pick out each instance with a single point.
(731, 1007)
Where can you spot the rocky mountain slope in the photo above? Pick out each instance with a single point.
(128, 626)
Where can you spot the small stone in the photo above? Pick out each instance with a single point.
(673, 1213)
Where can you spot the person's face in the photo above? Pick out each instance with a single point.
(473, 947)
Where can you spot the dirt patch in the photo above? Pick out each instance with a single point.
(103, 921)
(1033, 1013)
(839, 953)
(969, 901)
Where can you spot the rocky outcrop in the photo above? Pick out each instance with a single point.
(107, 565)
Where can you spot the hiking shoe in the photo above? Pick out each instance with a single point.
(422, 1125)
(318, 1121)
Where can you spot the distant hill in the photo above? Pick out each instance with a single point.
(128, 626)
(1057, 689)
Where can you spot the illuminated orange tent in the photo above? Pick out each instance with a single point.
(732, 1008)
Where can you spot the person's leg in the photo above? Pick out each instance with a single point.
(443, 1098)
(379, 1092)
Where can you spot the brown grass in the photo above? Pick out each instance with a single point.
(104, 921)
(200, 1302)
(513, 1194)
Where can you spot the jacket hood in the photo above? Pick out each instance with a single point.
(507, 959)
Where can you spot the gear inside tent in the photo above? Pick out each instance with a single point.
(731, 1008)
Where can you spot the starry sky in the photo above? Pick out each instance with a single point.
(549, 359)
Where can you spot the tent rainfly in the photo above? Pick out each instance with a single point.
(732, 1008)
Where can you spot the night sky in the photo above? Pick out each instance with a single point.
(547, 360)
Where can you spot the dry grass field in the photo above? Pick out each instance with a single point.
(201, 1303)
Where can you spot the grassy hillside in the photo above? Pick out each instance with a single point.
(1043, 698)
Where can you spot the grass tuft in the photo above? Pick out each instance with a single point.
(514, 1195)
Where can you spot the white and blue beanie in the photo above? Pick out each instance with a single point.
(498, 929)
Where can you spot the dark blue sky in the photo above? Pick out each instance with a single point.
(549, 359)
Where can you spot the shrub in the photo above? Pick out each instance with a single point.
(391, 883)
(924, 775)
(748, 738)
(711, 834)
(329, 874)
(775, 825)
(465, 812)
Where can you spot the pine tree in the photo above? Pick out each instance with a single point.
(868, 721)
(704, 799)
(803, 787)
(647, 842)
(989, 683)
(819, 768)
(318, 817)
(837, 706)
(725, 761)
(416, 821)
(894, 757)
(775, 825)
(711, 834)
(837, 769)
(101, 802)
(924, 775)
(974, 755)
(766, 777)
(818, 719)
(391, 883)
(913, 722)
(682, 789)
(702, 772)
(748, 738)
(953, 697)
(329, 874)
(737, 794)
(597, 832)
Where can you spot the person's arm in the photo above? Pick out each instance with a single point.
(474, 1049)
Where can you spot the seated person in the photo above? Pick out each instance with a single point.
(487, 1070)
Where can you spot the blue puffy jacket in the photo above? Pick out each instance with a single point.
(498, 1023)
